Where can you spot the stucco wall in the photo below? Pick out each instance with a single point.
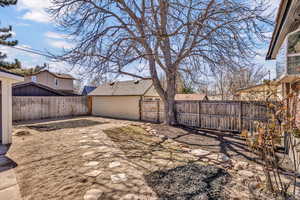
(124, 107)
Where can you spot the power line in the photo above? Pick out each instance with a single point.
(32, 51)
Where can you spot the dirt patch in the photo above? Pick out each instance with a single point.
(53, 126)
(189, 182)
(49, 164)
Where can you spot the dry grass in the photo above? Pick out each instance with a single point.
(150, 153)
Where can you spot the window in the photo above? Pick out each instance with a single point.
(33, 79)
(56, 81)
(288, 57)
(293, 53)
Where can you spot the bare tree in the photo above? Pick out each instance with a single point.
(168, 36)
(228, 82)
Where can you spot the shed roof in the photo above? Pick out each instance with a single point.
(44, 87)
(123, 88)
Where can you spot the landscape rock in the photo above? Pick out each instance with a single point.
(91, 164)
(118, 178)
(114, 164)
(245, 173)
(241, 165)
(218, 157)
(130, 197)
(88, 153)
(93, 194)
(199, 152)
(93, 173)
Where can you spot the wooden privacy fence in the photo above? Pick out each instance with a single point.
(219, 115)
(33, 107)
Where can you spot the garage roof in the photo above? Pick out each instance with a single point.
(123, 88)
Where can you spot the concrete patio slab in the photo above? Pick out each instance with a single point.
(10, 193)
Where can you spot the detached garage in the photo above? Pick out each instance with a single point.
(6, 81)
(121, 99)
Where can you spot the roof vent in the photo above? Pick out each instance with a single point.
(136, 82)
(111, 83)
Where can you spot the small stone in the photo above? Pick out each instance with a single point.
(117, 178)
(199, 152)
(245, 173)
(223, 158)
(130, 197)
(253, 185)
(82, 141)
(96, 141)
(162, 137)
(218, 157)
(91, 164)
(93, 194)
(93, 173)
(241, 165)
(114, 164)
(84, 136)
(87, 153)
(85, 146)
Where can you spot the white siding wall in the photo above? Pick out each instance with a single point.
(123, 107)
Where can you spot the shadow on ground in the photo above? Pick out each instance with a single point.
(5, 162)
(53, 126)
(228, 143)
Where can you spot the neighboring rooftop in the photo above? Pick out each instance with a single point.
(88, 89)
(57, 75)
(41, 86)
(123, 88)
(186, 97)
(8, 72)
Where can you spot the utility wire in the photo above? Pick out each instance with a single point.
(32, 51)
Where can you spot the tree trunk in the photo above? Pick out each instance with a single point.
(170, 118)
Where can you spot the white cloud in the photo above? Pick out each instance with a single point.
(60, 44)
(35, 10)
(54, 35)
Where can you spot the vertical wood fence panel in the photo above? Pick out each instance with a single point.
(219, 115)
(34, 108)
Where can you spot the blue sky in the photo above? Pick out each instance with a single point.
(33, 28)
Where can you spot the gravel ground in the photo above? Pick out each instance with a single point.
(189, 182)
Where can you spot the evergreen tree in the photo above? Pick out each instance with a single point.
(7, 2)
(5, 35)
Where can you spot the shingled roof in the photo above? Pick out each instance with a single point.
(57, 75)
(123, 88)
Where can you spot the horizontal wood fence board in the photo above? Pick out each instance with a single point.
(27, 108)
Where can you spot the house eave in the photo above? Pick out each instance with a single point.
(286, 18)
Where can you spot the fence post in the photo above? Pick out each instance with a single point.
(158, 117)
(199, 114)
(241, 115)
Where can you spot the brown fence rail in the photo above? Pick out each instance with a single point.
(219, 115)
(27, 108)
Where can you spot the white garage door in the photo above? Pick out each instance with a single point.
(123, 107)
